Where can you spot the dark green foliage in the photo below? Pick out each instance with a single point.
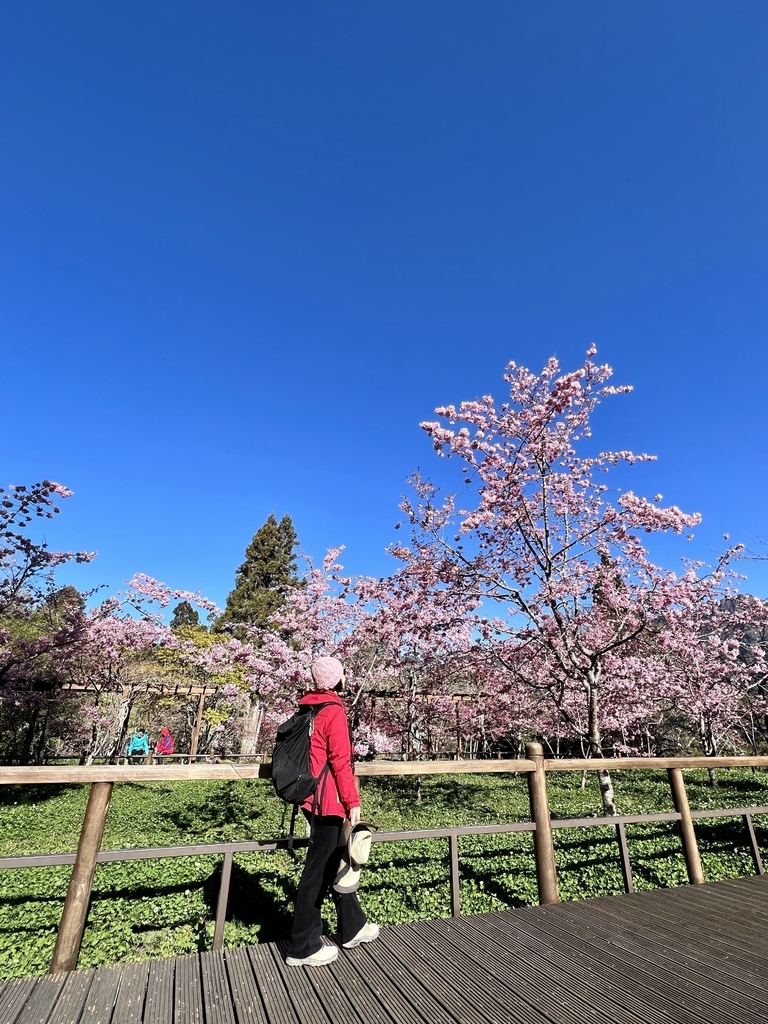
(263, 580)
(167, 907)
(184, 615)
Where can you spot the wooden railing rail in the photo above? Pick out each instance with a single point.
(536, 767)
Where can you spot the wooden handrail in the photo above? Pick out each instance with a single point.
(613, 764)
(65, 774)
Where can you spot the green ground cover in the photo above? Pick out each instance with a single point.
(167, 907)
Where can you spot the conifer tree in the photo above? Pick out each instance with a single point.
(184, 615)
(264, 578)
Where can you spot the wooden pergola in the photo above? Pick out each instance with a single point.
(160, 689)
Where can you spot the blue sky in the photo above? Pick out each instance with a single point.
(246, 248)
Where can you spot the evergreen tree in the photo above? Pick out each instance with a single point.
(264, 578)
(184, 615)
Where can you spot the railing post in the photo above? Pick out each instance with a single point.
(626, 864)
(688, 834)
(75, 910)
(543, 844)
(221, 907)
(453, 853)
(754, 848)
(196, 728)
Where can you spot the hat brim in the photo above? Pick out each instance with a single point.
(347, 877)
(359, 844)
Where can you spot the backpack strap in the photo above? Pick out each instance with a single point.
(321, 781)
(314, 710)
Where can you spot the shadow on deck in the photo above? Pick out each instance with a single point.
(673, 956)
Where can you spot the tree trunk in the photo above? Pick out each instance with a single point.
(122, 729)
(29, 736)
(252, 729)
(708, 745)
(43, 738)
(596, 750)
(607, 793)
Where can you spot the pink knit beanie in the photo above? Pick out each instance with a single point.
(326, 673)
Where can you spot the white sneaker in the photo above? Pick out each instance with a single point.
(324, 955)
(367, 933)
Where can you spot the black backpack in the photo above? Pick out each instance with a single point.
(292, 777)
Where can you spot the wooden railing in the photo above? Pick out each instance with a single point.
(536, 767)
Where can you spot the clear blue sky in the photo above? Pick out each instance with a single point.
(246, 247)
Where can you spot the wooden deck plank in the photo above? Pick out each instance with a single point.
(656, 976)
(102, 995)
(683, 937)
(744, 904)
(627, 958)
(15, 995)
(747, 901)
(538, 972)
(159, 1000)
(708, 976)
(42, 999)
(363, 993)
(725, 946)
(71, 1000)
(434, 978)
(539, 978)
(589, 970)
(217, 998)
(129, 1005)
(249, 1008)
(187, 991)
(411, 991)
(500, 991)
(374, 975)
(300, 983)
(593, 969)
(277, 1002)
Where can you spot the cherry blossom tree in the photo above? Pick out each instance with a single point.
(27, 565)
(419, 636)
(37, 623)
(323, 617)
(128, 647)
(401, 642)
(713, 671)
(556, 562)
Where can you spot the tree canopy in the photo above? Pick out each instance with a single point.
(264, 579)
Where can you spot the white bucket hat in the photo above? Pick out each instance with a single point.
(356, 853)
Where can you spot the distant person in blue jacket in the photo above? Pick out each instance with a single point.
(138, 746)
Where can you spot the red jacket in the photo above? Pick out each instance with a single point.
(337, 792)
(164, 743)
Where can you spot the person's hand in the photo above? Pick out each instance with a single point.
(354, 816)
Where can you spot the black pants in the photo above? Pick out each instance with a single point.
(322, 863)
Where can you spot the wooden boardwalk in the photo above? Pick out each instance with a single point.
(693, 955)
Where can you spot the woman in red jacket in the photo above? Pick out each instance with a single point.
(164, 745)
(337, 799)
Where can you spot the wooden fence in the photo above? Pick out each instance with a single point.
(102, 778)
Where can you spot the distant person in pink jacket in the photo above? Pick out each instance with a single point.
(337, 800)
(164, 745)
